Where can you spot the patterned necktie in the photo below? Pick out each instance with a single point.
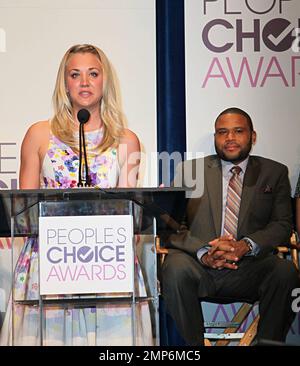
(233, 201)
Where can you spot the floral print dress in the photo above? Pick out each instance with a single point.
(61, 164)
(104, 324)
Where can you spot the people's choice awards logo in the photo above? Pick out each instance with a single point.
(86, 254)
(253, 36)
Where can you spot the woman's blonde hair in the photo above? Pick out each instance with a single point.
(62, 124)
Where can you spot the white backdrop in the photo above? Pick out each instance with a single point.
(34, 35)
(267, 86)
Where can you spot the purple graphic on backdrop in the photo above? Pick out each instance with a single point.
(276, 35)
(232, 35)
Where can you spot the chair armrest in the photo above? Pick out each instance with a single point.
(161, 252)
(159, 249)
(292, 248)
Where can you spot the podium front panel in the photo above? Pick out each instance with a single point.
(125, 318)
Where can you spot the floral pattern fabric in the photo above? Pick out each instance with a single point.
(61, 164)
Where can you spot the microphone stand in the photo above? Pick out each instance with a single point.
(82, 144)
(80, 184)
(87, 176)
(83, 116)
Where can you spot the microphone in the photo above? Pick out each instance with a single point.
(83, 116)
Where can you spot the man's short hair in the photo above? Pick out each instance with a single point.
(236, 110)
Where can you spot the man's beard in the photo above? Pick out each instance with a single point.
(240, 157)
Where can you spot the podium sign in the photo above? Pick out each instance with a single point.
(86, 254)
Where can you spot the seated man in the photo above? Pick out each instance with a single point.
(227, 251)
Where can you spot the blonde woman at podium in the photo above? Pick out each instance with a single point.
(85, 93)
